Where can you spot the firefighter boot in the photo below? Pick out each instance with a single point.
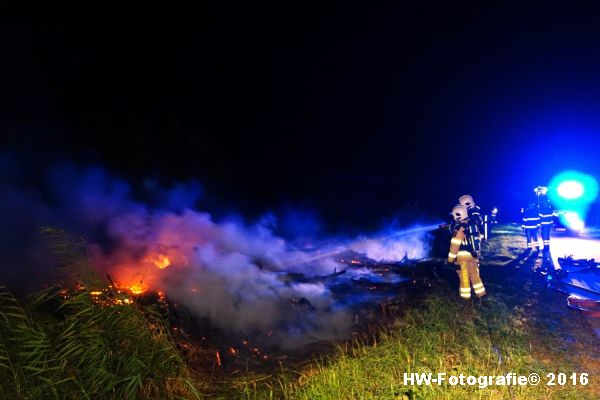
(475, 279)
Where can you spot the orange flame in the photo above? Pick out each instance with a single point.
(137, 289)
(162, 261)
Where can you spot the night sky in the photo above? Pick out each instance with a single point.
(356, 112)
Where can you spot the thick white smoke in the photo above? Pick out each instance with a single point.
(229, 272)
(413, 246)
(225, 272)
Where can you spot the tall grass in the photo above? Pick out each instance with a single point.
(54, 346)
(444, 336)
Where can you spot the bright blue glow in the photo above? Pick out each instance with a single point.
(573, 220)
(572, 192)
(570, 189)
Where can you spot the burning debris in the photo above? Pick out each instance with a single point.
(236, 279)
(354, 291)
(162, 261)
(244, 279)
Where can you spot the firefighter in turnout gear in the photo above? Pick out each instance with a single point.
(546, 213)
(474, 213)
(465, 247)
(531, 223)
(473, 209)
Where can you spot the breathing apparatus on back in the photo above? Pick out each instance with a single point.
(471, 228)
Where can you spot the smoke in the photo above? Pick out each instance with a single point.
(413, 246)
(229, 272)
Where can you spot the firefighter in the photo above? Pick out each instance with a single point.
(531, 223)
(464, 253)
(546, 213)
(489, 221)
(494, 216)
(473, 209)
(474, 213)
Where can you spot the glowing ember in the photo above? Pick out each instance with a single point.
(137, 289)
(162, 261)
(218, 358)
(95, 293)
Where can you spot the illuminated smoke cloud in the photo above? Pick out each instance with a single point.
(413, 246)
(224, 272)
(229, 272)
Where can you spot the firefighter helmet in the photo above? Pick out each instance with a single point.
(467, 201)
(460, 213)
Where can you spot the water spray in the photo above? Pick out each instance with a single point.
(362, 241)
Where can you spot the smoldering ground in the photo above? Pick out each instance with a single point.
(229, 272)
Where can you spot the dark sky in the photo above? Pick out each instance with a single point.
(356, 111)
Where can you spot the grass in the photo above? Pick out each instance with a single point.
(442, 336)
(59, 344)
(447, 337)
(74, 349)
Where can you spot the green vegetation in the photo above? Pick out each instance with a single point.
(74, 349)
(60, 344)
(444, 336)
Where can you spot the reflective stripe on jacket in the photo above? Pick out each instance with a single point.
(546, 213)
(531, 218)
(458, 245)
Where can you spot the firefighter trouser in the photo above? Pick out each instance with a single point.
(468, 275)
(546, 236)
(532, 238)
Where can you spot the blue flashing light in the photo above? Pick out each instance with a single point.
(570, 190)
(572, 187)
